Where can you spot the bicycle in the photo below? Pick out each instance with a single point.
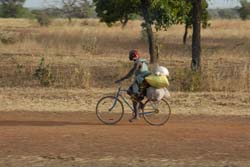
(110, 109)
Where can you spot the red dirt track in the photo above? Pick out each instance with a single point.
(81, 135)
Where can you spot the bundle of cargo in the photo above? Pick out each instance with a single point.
(159, 83)
(156, 94)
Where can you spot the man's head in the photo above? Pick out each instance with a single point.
(133, 55)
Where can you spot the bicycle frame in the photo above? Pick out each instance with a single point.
(119, 94)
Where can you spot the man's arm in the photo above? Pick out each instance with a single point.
(130, 73)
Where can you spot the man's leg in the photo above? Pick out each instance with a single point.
(136, 116)
(136, 109)
(133, 91)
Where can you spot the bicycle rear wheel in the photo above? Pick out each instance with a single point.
(156, 112)
(109, 111)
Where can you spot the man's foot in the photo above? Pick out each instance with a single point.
(136, 118)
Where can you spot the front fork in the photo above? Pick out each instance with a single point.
(116, 99)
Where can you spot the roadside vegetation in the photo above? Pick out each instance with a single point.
(87, 53)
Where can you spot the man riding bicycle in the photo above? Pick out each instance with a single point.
(137, 89)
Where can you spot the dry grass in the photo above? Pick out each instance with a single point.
(84, 100)
(87, 53)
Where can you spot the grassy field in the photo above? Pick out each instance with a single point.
(52, 77)
(87, 54)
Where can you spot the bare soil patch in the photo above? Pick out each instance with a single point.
(79, 139)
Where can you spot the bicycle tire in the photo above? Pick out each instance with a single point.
(150, 116)
(112, 117)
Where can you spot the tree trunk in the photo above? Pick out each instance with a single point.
(185, 34)
(150, 34)
(196, 38)
(151, 42)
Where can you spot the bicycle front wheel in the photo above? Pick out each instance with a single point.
(156, 112)
(109, 110)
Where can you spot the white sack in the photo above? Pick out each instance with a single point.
(157, 94)
(160, 70)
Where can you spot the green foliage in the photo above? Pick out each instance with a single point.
(112, 10)
(244, 11)
(25, 13)
(204, 16)
(166, 13)
(188, 80)
(15, 9)
(43, 19)
(162, 13)
(43, 73)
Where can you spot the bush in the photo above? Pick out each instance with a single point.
(188, 80)
(43, 19)
(8, 38)
(244, 11)
(43, 74)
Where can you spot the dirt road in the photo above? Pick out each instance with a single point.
(79, 139)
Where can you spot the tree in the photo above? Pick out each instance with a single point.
(85, 9)
(189, 19)
(68, 8)
(12, 8)
(244, 10)
(74, 8)
(158, 13)
(196, 37)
